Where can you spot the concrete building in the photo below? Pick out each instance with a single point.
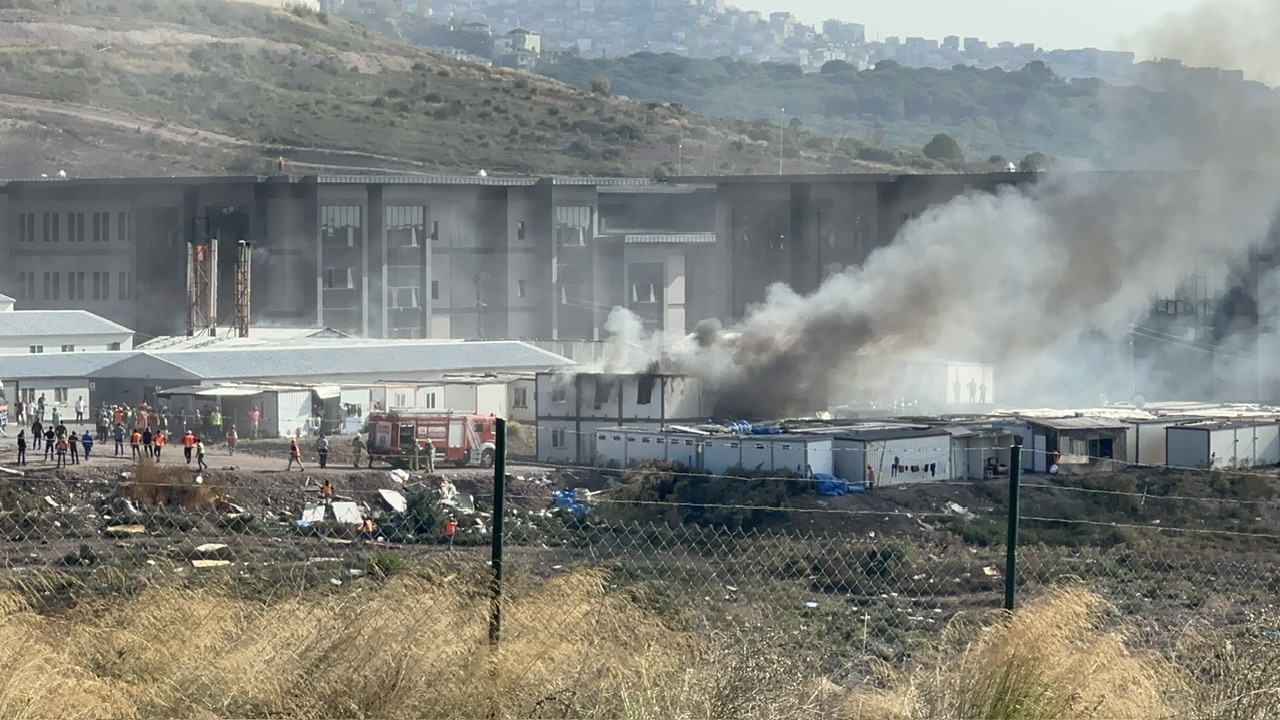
(39, 332)
(572, 407)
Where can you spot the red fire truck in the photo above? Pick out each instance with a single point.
(458, 438)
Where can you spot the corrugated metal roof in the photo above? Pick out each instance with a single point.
(47, 323)
(1214, 425)
(892, 434)
(684, 238)
(257, 337)
(1077, 423)
(371, 360)
(58, 365)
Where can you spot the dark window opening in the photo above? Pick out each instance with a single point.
(644, 390)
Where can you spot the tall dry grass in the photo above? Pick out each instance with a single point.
(412, 646)
(1064, 657)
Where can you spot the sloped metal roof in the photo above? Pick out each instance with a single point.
(366, 360)
(49, 323)
(58, 365)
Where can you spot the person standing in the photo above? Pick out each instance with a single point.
(40, 408)
(73, 444)
(232, 438)
(50, 437)
(148, 438)
(22, 447)
(135, 443)
(200, 455)
(254, 415)
(357, 447)
(188, 444)
(104, 423)
(326, 492)
(20, 413)
(322, 450)
(215, 423)
(62, 452)
(450, 529)
(80, 410)
(429, 451)
(117, 433)
(295, 455)
(368, 531)
(87, 441)
(57, 415)
(161, 440)
(415, 454)
(37, 435)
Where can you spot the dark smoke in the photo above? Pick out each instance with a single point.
(1044, 281)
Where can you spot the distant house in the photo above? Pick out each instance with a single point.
(476, 27)
(526, 40)
(58, 331)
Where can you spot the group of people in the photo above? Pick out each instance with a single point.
(59, 443)
(24, 412)
(207, 424)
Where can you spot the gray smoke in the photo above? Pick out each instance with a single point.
(1044, 281)
(1229, 34)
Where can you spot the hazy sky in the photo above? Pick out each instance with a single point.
(1047, 23)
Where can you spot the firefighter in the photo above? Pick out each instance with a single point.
(415, 453)
(430, 452)
(357, 447)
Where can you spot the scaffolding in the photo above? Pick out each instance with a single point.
(244, 255)
(202, 280)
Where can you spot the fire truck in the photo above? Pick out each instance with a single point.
(458, 438)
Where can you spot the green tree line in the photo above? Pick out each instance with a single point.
(988, 112)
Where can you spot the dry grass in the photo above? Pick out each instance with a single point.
(412, 646)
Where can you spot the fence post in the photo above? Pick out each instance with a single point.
(1011, 538)
(499, 510)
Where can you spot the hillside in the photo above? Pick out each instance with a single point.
(988, 111)
(131, 87)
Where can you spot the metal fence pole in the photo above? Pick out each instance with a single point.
(499, 510)
(1011, 539)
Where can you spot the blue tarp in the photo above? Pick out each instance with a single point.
(568, 499)
(832, 486)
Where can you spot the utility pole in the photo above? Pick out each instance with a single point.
(479, 307)
(680, 159)
(782, 118)
(1011, 538)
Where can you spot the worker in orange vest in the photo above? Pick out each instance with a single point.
(62, 451)
(326, 492)
(158, 443)
(295, 455)
(450, 529)
(254, 416)
(135, 442)
(188, 442)
(369, 531)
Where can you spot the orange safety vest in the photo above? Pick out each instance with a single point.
(368, 525)
(294, 450)
(135, 438)
(450, 528)
(159, 439)
(62, 444)
(327, 489)
(188, 440)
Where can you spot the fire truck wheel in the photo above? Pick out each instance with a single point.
(486, 459)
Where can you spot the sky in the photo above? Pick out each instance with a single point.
(1058, 24)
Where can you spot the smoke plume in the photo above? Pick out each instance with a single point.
(1046, 281)
(1230, 34)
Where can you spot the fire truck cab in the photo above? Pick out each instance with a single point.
(458, 438)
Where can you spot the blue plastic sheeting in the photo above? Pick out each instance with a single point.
(568, 499)
(832, 486)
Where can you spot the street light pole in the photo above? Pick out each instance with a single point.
(782, 117)
(680, 160)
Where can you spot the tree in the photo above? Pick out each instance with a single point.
(1035, 162)
(600, 85)
(944, 148)
(832, 67)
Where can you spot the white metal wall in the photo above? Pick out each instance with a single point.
(1187, 446)
(293, 411)
(908, 460)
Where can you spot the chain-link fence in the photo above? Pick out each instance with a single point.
(249, 590)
